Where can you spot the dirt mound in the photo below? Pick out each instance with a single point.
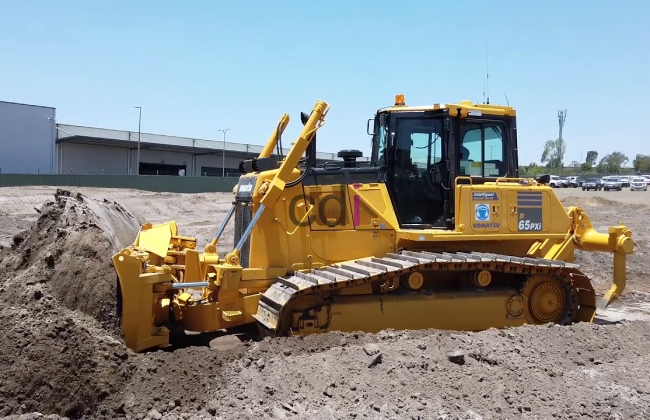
(545, 372)
(51, 362)
(592, 201)
(69, 249)
(60, 349)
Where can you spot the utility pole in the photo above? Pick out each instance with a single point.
(223, 153)
(52, 143)
(491, 147)
(561, 116)
(139, 132)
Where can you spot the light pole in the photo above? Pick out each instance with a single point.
(52, 143)
(223, 153)
(491, 147)
(139, 132)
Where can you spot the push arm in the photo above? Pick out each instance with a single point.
(277, 184)
(315, 121)
(273, 140)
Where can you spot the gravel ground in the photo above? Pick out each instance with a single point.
(61, 354)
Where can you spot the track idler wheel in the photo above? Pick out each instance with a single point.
(547, 300)
(306, 314)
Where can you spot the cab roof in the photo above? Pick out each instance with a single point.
(466, 108)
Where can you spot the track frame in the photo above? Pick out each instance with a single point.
(310, 302)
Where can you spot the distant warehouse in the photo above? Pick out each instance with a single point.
(33, 142)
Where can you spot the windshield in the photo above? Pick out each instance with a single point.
(592, 180)
(638, 180)
(420, 139)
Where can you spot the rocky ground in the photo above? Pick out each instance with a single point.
(61, 354)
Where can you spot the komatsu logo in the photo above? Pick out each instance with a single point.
(486, 225)
(246, 188)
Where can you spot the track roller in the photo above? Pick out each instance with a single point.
(413, 281)
(481, 278)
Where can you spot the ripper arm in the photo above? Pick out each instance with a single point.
(618, 241)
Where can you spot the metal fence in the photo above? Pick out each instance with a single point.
(161, 183)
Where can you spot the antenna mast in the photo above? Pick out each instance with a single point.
(561, 117)
(487, 72)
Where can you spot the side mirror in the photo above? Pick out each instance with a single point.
(304, 117)
(370, 127)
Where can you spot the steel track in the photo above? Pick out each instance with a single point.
(356, 272)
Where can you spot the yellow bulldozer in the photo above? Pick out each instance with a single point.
(435, 230)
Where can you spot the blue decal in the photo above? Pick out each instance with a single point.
(482, 212)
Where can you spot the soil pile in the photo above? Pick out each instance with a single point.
(543, 372)
(68, 252)
(60, 347)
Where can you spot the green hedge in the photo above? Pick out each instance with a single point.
(157, 183)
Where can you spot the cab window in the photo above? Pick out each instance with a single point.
(482, 149)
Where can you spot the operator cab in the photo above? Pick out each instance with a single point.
(423, 151)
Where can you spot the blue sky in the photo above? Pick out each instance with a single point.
(197, 67)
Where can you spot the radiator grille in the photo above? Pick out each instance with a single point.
(243, 216)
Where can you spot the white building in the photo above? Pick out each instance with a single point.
(27, 135)
(32, 142)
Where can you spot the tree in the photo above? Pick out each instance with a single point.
(592, 155)
(531, 170)
(574, 164)
(612, 163)
(586, 167)
(641, 163)
(602, 167)
(553, 154)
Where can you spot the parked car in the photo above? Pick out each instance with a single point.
(574, 182)
(565, 182)
(625, 181)
(647, 178)
(612, 183)
(592, 184)
(638, 184)
(555, 181)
